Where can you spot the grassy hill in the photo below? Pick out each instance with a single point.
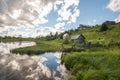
(98, 63)
(112, 35)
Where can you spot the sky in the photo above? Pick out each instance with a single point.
(35, 18)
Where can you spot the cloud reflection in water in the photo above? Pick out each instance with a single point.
(24, 67)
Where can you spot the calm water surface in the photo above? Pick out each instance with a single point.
(45, 66)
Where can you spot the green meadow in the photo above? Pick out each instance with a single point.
(40, 47)
(98, 63)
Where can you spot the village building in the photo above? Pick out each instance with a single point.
(80, 38)
(66, 35)
(81, 26)
(109, 22)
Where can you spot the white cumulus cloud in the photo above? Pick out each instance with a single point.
(74, 16)
(20, 17)
(117, 19)
(60, 25)
(68, 14)
(14, 12)
(114, 5)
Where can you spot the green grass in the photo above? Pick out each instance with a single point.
(99, 64)
(41, 47)
(106, 37)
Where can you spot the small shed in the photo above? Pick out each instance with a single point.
(80, 38)
(66, 35)
(82, 26)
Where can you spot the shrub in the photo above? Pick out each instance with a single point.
(104, 27)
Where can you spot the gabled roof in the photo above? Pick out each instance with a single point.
(82, 36)
(81, 26)
(77, 36)
(66, 34)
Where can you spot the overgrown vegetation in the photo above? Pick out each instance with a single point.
(98, 63)
(94, 65)
(104, 27)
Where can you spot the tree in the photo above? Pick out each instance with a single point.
(56, 35)
(104, 27)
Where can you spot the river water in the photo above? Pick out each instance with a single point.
(45, 66)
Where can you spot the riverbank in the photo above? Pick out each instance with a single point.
(97, 64)
(41, 47)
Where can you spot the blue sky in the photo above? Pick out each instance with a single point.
(91, 13)
(95, 12)
(40, 17)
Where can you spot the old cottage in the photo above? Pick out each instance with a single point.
(65, 36)
(80, 38)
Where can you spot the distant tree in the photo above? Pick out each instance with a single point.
(96, 25)
(56, 35)
(61, 36)
(20, 38)
(70, 31)
(51, 35)
(104, 27)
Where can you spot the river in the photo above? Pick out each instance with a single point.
(46, 66)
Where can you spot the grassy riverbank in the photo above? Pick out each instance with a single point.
(94, 64)
(13, 39)
(41, 47)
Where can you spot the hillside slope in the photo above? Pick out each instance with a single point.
(112, 35)
(101, 63)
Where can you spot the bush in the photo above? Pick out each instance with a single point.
(104, 27)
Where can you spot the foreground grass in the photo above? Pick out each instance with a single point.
(99, 64)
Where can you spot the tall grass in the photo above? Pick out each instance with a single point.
(97, 65)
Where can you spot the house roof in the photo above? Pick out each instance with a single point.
(81, 26)
(66, 34)
(77, 36)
